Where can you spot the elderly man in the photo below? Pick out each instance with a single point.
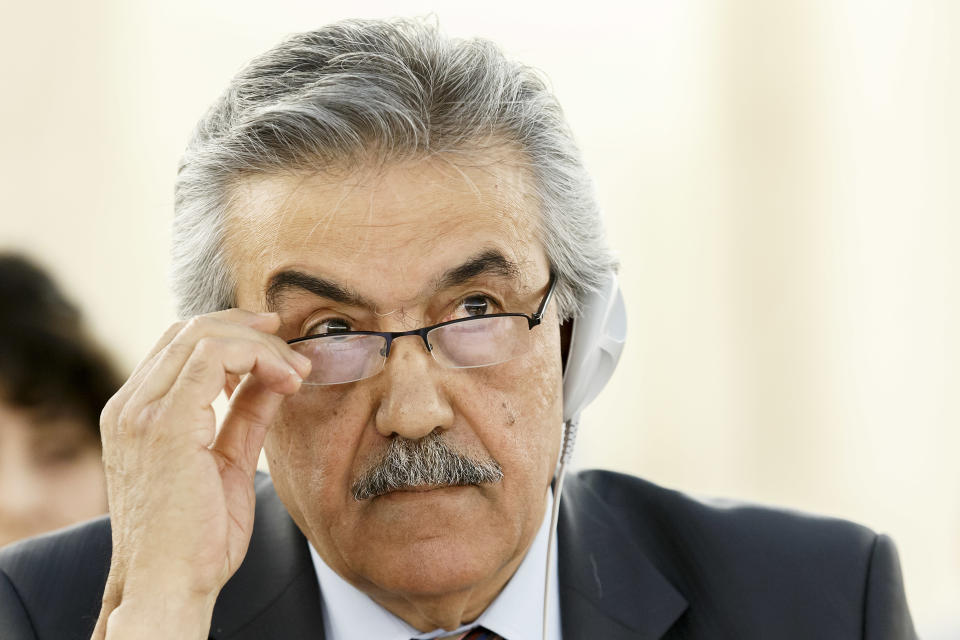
(381, 238)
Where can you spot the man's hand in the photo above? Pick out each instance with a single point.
(181, 496)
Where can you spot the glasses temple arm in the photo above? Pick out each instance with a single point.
(546, 300)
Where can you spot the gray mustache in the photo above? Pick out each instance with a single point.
(423, 462)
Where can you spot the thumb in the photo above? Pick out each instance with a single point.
(251, 411)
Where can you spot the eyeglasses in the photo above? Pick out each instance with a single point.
(477, 341)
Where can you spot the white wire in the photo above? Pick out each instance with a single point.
(566, 451)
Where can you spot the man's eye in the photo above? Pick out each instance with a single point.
(331, 325)
(476, 306)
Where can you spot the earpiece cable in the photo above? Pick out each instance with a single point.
(566, 452)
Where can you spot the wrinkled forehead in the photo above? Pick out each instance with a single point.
(386, 229)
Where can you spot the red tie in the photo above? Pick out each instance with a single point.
(479, 633)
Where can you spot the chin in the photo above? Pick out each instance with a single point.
(439, 566)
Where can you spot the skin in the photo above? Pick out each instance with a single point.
(181, 494)
(50, 474)
(434, 558)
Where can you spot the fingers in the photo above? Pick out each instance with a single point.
(263, 322)
(252, 410)
(268, 323)
(191, 364)
(204, 374)
(186, 407)
(203, 339)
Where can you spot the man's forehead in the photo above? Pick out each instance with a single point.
(421, 218)
(495, 177)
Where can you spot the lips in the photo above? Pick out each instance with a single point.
(424, 488)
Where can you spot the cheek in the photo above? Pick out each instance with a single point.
(517, 410)
(312, 446)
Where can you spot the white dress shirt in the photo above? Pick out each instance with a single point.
(515, 614)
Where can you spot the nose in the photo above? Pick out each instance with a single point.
(413, 402)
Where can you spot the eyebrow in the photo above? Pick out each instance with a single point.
(490, 262)
(281, 283)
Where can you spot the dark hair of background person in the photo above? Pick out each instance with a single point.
(49, 365)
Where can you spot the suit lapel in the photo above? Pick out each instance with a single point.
(274, 593)
(608, 588)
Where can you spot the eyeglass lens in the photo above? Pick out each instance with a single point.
(339, 359)
(479, 342)
(476, 342)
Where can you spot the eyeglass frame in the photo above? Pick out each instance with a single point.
(390, 336)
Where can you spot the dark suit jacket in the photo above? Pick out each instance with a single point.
(635, 561)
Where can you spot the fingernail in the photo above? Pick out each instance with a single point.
(302, 359)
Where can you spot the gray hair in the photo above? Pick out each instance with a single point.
(426, 462)
(395, 88)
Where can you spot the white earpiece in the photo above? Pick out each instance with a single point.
(596, 342)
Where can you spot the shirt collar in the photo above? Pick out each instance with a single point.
(516, 613)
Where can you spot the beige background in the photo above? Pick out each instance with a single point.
(780, 180)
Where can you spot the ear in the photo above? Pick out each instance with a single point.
(233, 381)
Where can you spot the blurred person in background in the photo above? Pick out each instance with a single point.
(54, 381)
